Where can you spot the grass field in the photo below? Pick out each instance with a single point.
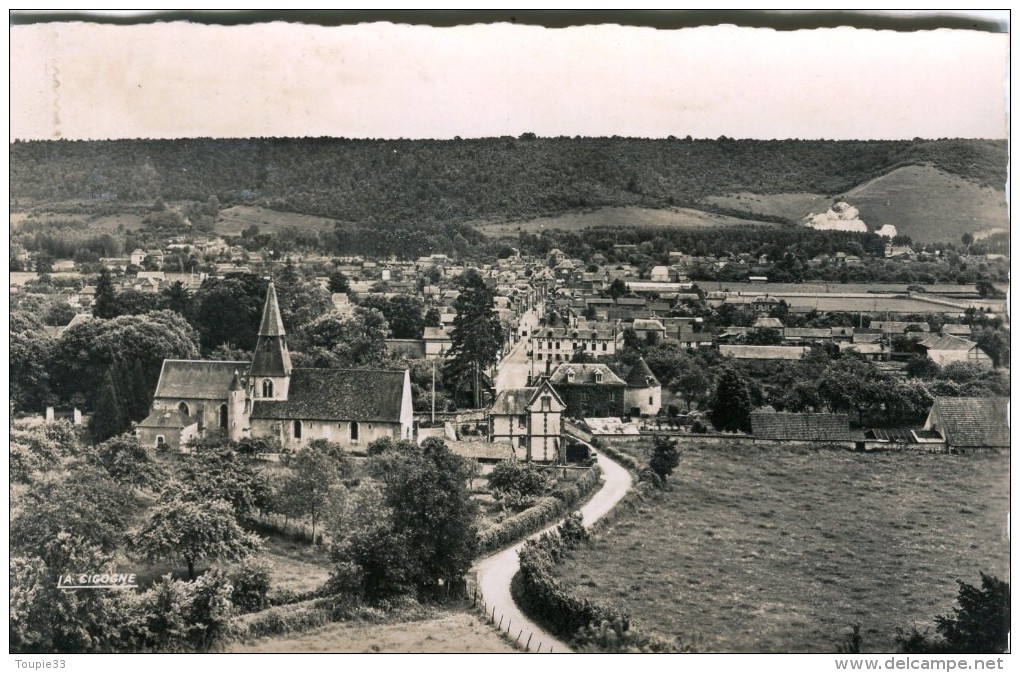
(923, 202)
(781, 551)
(232, 221)
(623, 216)
(448, 631)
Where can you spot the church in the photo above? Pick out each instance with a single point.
(267, 397)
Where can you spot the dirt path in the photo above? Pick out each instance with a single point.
(496, 571)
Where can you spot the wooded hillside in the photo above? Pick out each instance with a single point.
(403, 181)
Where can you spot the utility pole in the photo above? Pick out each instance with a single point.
(433, 393)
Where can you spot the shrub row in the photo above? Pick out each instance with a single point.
(628, 461)
(559, 500)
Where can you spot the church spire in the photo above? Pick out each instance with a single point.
(272, 323)
(271, 356)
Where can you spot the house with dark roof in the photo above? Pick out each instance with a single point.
(970, 423)
(801, 428)
(268, 397)
(529, 419)
(589, 390)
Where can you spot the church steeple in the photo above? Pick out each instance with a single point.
(271, 359)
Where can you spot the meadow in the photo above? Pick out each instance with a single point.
(782, 550)
(615, 216)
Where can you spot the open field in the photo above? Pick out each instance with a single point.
(781, 550)
(923, 202)
(232, 221)
(449, 631)
(619, 216)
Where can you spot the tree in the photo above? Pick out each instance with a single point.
(764, 336)
(43, 263)
(313, 473)
(338, 282)
(477, 335)
(922, 367)
(979, 625)
(994, 342)
(109, 418)
(86, 351)
(176, 298)
(420, 533)
(617, 288)
(228, 310)
(194, 530)
(691, 383)
(88, 505)
(127, 462)
(403, 313)
(105, 303)
(219, 473)
(357, 340)
(518, 484)
(29, 357)
(59, 314)
(731, 406)
(665, 457)
(433, 318)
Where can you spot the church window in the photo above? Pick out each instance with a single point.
(297, 429)
(183, 408)
(223, 416)
(355, 431)
(160, 441)
(267, 388)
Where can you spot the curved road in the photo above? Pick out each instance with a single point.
(496, 571)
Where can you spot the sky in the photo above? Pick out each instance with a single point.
(90, 81)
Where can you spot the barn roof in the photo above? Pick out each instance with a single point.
(338, 395)
(804, 427)
(973, 421)
(947, 342)
(746, 352)
(483, 451)
(197, 379)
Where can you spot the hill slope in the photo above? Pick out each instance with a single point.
(928, 204)
(413, 181)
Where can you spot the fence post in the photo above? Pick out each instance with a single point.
(527, 644)
(508, 626)
(494, 613)
(474, 600)
(519, 634)
(500, 627)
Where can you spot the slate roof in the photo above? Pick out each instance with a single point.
(338, 395)
(769, 323)
(956, 330)
(636, 375)
(272, 323)
(585, 374)
(197, 379)
(972, 421)
(897, 326)
(802, 427)
(512, 401)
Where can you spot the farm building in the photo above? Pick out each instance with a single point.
(744, 352)
(786, 428)
(970, 423)
(946, 349)
(643, 396)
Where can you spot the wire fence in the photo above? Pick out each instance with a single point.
(521, 637)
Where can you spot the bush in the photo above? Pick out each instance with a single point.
(518, 483)
(665, 457)
(980, 625)
(648, 475)
(251, 582)
(559, 500)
